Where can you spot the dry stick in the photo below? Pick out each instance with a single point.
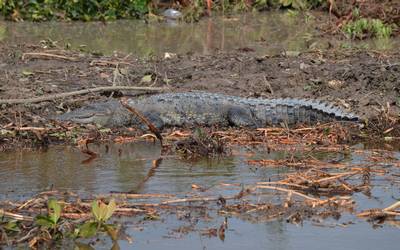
(78, 92)
(151, 127)
(28, 235)
(15, 216)
(392, 207)
(369, 213)
(337, 176)
(48, 55)
(288, 191)
(197, 199)
(138, 196)
(101, 62)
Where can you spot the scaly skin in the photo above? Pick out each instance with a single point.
(206, 109)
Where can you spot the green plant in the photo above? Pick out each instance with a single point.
(38, 10)
(380, 29)
(10, 226)
(363, 27)
(101, 213)
(295, 4)
(50, 222)
(54, 212)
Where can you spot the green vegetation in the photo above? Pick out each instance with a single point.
(49, 229)
(360, 27)
(364, 27)
(101, 213)
(50, 223)
(40, 10)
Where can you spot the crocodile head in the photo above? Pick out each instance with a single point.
(98, 113)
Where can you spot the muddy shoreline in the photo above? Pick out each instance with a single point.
(366, 83)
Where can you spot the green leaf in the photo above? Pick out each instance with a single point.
(87, 230)
(44, 221)
(110, 209)
(12, 225)
(103, 212)
(96, 210)
(27, 73)
(146, 79)
(286, 3)
(54, 210)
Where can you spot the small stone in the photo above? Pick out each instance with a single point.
(168, 55)
(336, 84)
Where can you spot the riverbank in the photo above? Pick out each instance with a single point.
(363, 82)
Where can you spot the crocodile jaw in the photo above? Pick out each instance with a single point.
(100, 113)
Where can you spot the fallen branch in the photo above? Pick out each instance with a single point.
(150, 125)
(36, 55)
(392, 207)
(78, 92)
(15, 216)
(338, 176)
(388, 211)
(138, 196)
(112, 63)
(197, 199)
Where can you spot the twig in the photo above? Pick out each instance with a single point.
(78, 92)
(197, 199)
(112, 63)
(337, 176)
(140, 196)
(392, 207)
(15, 216)
(151, 127)
(377, 213)
(28, 235)
(47, 56)
(288, 191)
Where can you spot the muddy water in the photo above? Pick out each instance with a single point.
(124, 167)
(265, 33)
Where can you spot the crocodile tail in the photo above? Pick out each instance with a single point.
(310, 111)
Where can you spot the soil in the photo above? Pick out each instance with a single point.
(367, 83)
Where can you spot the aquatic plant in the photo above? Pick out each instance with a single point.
(101, 213)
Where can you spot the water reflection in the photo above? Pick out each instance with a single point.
(123, 167)
(264, 32)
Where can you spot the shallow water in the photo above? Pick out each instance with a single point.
(265, 32)
(124, 167)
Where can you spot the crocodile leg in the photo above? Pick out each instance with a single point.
(241, 117)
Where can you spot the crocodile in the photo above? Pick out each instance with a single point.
(207, 109)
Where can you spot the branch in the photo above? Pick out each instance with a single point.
(78, 92)
(15, 216)
(152, 128)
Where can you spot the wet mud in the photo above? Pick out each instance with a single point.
(366, 83)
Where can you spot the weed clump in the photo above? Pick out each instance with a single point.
(365, 28)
